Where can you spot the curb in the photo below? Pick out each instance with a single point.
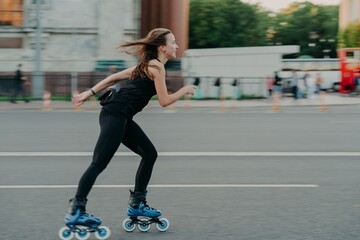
(94, 105)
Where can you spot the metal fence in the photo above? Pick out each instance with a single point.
(227, 87)
(63, 85)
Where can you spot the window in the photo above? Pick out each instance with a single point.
(353, 55)
(11, 12)
(41, 2)
(11, 42)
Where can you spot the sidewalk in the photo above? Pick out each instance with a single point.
(332, 99)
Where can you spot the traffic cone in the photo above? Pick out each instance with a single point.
(323, 106)
(47, 100)
(222, 106)
(276, 107)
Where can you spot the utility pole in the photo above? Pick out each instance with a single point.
(38, 84)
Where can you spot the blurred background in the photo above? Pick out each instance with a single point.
(255, 174)
(228, 48)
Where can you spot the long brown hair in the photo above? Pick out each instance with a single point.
(146, 49)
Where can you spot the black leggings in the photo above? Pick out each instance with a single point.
(113, 131)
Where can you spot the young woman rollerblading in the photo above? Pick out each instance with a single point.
(117, 126)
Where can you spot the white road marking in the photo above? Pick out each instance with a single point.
(167, 186)
(187, 154)
(344, 121)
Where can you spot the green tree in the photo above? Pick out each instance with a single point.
(232, 23)
(312, 27)
(350, 36)
(224, 23)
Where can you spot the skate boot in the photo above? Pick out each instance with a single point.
(76, 214)
(139, 208)
(81, 224)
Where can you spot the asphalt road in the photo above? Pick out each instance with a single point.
(241, 174)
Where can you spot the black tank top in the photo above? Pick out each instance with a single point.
(132, 97)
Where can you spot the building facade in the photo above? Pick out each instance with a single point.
(80, 35)
(349, 12)
(62, 40)
(75, 33)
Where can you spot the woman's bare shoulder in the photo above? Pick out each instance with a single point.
(156, 67)
(157, 63)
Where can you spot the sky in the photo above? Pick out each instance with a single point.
(276, 5)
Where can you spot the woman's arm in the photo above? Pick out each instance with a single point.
(103, 84)
(164, 97)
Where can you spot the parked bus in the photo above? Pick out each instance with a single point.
(350, 68)
(329, 68)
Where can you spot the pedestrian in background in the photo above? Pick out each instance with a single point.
(269, 85)
(295, 82)
(277, 84)
(318, 82)
(310, 85)
(20, 83)
(117, 125)
(356, 82)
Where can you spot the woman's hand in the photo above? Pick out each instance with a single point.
(79, 99)
(189, 89)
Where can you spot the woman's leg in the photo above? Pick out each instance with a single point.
(137, 141)
(112, 130)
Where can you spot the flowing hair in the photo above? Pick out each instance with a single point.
(146, 49)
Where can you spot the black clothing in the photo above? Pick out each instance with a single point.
(18, 87)
(277, 81)
(133, 96)
(18, 76)
(116, 127)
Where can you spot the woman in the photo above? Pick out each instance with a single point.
(116, 125)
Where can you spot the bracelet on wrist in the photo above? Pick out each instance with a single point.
(93, 92)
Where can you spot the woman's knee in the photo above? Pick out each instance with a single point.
(154, 155)
(150, 155)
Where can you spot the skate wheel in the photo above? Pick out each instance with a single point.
(164, 225)
(128, 225)
(83, 234)
(103, 233)
(65, 233)
(144, 225)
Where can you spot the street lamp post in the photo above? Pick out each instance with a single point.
(38, 85)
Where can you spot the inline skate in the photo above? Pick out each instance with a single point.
(80, 224)
(142, 215)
